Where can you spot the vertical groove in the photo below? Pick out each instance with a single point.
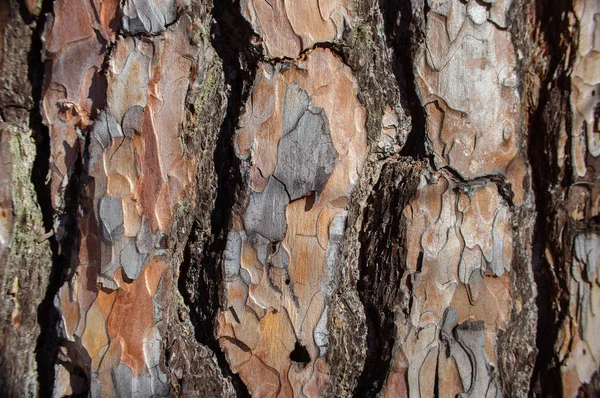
(383, 253)
(48, 316)
(403, 33)
(543, 130)
(382, 265)
(201, 274)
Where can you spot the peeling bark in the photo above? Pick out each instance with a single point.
(299, 198)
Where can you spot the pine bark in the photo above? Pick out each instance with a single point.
(299, 198)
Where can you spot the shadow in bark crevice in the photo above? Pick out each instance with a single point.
(201, 273)
(543, 135)
(48, 315)
(66, 239)
(382, 264)
(382, 258)
(404, 33)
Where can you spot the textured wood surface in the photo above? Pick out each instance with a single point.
(294, 198)
(459, 233)
(302, 144)
(136, 175)
(288, 27)
(578, 350)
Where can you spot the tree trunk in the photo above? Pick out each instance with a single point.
(300, 198)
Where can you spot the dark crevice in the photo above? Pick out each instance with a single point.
(334, 47)
(502, 185)
(543, 132)
(64, 222)
(300, 355)
(201, 273)
(62, 248)
(382, 259)
(436, 384)
(48, 316)
(109, 48)
(284, 187)
(382, 263)
(41, 134)
(420, 262)
(404, 34)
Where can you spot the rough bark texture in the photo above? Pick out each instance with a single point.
(300, 198)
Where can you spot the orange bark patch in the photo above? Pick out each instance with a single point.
(132, 318)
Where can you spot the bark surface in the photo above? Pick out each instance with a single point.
(300, 198)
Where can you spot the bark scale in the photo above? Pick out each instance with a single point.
(300, 198)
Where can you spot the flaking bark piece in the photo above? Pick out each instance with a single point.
(466, 76)
(471, 337)
(232, 255)
(306, 155)
(295, 104)
(577, 344)
(265, 214)
(581, 360)
(110, 211)
(132, 260)
(453, 233)
(135, 177)
(72, 93)
(466, 344)
(287, 27)
(148, 16)
(145, 240)
(585, 88)
(301, 143)
(132, 121)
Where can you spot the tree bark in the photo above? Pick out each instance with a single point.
(300, 198)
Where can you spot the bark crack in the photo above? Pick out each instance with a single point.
(48, 315)
(201, 274)
(552, 299)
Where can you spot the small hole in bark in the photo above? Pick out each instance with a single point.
(420, 262)
(300, 355)
(310, 201)
(273, 247)
(163, 242)
(287, 281)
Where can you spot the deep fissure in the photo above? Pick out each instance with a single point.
(48, 315)
(546, 371)
(230, 36)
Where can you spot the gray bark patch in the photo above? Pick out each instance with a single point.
(147, 16)
(295, 104)
(265, 214)
(306, 155)
(110, 212)
(132, 260)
